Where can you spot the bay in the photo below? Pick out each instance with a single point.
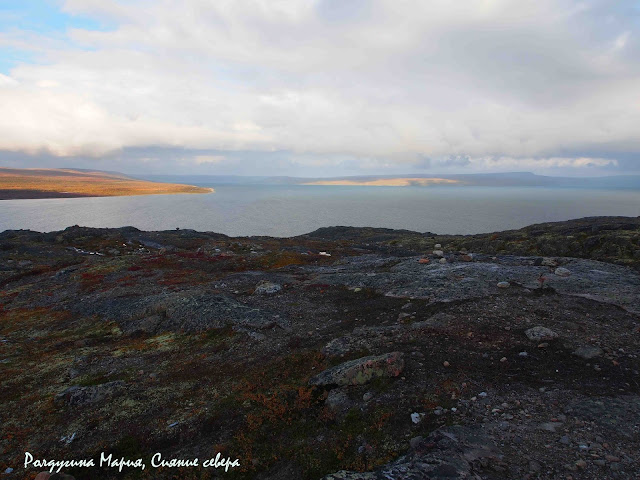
(283, 211)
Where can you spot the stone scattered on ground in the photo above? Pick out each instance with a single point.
(588, 352)
(540, 334)
(267, 288)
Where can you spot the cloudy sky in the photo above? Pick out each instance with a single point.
(321, 87)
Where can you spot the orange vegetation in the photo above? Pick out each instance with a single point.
(66, 182)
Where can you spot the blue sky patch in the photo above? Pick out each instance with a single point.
(44, 17)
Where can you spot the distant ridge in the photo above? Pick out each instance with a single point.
(506, 179)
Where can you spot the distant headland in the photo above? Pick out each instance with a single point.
(387, 182)
(22, 183)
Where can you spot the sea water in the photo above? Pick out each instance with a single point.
(282, 211)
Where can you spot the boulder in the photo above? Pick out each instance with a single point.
(563, 272)
(361, 370)
(267, 288)
(540, 334)
(338, 401)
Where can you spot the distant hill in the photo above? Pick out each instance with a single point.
(21, 183)
(510, 179)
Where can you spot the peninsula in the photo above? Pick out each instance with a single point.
(20, 183)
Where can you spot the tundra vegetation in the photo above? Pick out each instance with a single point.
(397, 355)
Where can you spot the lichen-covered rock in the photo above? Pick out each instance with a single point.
(447, 453)
(338, 401)
(78, 395)
(563, 272)
(467, 280)
(540, 334)
(361, 370)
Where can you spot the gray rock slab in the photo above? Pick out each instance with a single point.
(191, 311)
(465, 280)
(447, 453)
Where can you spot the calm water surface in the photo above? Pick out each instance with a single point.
(292, 210)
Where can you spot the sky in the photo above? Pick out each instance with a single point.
(321, 87)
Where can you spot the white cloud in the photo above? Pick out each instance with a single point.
(621, 40)
(6, 81)
(509, 80)
(208, 159)
(504, 163)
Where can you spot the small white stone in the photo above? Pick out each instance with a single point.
(416, 417)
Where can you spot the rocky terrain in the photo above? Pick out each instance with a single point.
(347, 353)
